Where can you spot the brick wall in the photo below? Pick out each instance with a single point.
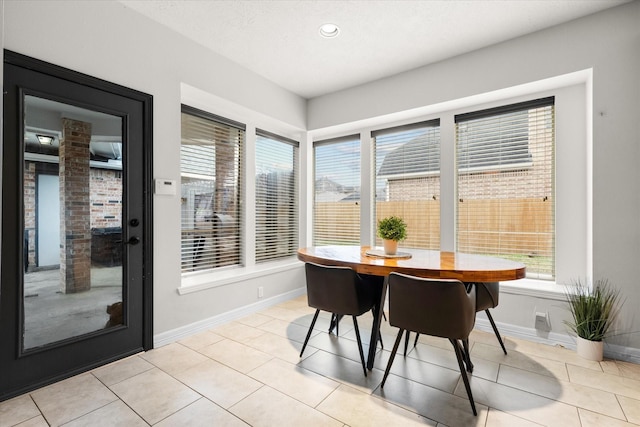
(106, 198)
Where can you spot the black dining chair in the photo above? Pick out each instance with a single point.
(340, 291)
(487, 296)
(440, 308)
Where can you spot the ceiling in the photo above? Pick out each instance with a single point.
(280, 40)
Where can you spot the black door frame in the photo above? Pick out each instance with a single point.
(13, 244)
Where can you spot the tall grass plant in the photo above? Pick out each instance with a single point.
(593, 309)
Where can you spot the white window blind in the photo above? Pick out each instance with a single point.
(407, 180)
(210, 170)
(336, 208)
(506, 174)
(276, 196)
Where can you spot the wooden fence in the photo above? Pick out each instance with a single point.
(525, 223)
(337, 223)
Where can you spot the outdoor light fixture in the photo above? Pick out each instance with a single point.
(329, 30)
(45, 139)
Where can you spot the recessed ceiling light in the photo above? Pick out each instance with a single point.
(329, 30)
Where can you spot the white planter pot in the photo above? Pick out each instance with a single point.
(390, 247)
(590, 350)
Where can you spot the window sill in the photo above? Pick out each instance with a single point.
(534, 288)
(213, 279)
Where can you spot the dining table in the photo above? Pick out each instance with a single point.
(375, 266)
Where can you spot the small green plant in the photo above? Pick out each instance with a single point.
(392, 228)
(593, 309)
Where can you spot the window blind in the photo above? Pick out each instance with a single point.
(210, 170)
(276, 196)
(407, 180)
(336, 207)
(506, 184)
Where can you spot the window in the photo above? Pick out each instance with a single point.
(506, 184)
(336, 207)
(211, 173)
(407, 180)
(276, 197)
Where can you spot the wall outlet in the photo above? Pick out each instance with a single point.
(542, 321)
(260, 291)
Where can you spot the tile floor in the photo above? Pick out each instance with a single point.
(248, 372)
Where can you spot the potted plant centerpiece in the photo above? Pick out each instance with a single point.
(391, 230)
(593, 311)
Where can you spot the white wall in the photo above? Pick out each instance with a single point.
(106, 40)
(608, 43)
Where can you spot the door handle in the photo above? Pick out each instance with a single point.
(133, 240)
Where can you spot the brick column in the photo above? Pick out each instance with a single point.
(75, 214)
(29, 215)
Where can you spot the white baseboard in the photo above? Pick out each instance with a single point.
(177, 334)
(611, 351)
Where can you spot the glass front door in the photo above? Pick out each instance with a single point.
(76, 224)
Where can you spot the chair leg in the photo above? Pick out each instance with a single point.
(384, 316)
(313, 323)
(463, 352)
(406, 342)
(338, 319)
(495, 329)
(456, 347)
(335, 322)
(355, 326)
(379, 335)
(393, 355)
(467, 355)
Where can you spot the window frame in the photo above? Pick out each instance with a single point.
(292, 232)
(415, 219)
(325, 143)
(504, 121)
(237, 276)
(574, 151)
(219, 225)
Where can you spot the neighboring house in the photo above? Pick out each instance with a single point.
(416, 164)
(412, 171)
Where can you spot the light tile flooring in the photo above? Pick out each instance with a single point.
(249, 372)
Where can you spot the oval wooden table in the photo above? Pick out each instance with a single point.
(431, 264)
